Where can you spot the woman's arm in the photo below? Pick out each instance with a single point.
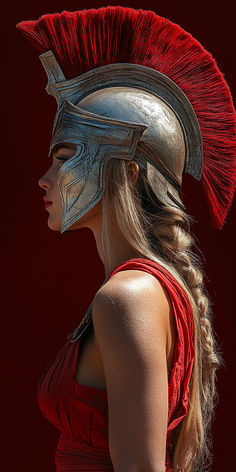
(130, 317)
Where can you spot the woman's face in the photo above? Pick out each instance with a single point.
(48, 182)
(52, 198)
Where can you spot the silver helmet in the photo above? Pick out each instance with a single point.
(107, 112)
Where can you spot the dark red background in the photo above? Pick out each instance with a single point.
(48, 279)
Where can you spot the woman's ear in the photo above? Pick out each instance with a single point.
(133, 170)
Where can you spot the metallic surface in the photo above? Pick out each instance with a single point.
(81, 178)
(121, 94)
(164, 134)
(139, 77)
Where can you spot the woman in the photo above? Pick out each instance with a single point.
(140, 104)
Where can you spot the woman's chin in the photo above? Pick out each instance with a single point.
(53, 225)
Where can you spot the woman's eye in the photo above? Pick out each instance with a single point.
(61, 158)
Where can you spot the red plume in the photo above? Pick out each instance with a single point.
(87, 39)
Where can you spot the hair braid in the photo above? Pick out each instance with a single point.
(161, 233)
(172, 230)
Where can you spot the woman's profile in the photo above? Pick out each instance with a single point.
(140, 103)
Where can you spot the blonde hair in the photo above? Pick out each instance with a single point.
(161, 232)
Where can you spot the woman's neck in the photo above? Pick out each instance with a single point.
(120, 250)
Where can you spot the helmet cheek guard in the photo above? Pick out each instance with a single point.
(81, 178)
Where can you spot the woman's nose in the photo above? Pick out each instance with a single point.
(45, 182)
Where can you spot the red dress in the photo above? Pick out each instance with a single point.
(80, 412)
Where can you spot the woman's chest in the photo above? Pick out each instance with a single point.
(89, 365)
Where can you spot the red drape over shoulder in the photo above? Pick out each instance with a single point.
(80, 412)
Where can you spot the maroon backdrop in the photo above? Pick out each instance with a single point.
(49, 279)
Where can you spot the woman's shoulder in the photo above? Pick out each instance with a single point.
(132, 300)
(132, 286)
(132, 279)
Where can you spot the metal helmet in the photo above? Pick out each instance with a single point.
(106, 113)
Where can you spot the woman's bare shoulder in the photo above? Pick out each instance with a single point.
(129, 317)
(132, 300)
(134, 288)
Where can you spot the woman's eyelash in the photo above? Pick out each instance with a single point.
(61, 158)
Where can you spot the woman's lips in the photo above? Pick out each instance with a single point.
(47, 202)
